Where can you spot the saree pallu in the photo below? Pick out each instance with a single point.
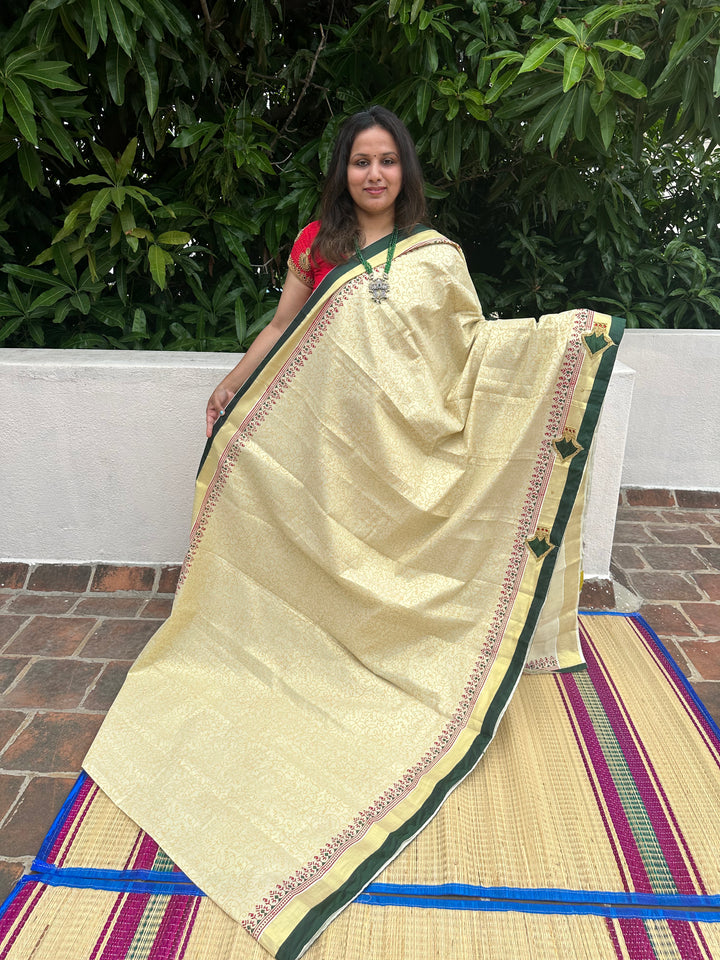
(385, 515)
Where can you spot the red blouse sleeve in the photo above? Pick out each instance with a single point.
(301, 261)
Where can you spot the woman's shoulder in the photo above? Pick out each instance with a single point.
(308, 233)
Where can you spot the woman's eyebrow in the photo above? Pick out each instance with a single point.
(387, 153)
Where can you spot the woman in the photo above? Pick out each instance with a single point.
(388, 501)
(374, 184)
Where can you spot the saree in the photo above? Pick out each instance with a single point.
(385, 517)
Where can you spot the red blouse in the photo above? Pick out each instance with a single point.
(310, 268)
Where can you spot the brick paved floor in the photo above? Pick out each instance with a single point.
(69, 634)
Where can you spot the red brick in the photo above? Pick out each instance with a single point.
(671, 557)
(687, 516)
(709, 693)
(168, 579)
(639, 515)
(9, 789)
(13, 575)
(52, 636)
(709, 583)
(107, 685)
(10, 669)
(597, 595)
(704, 656)
(53, 684)
(707, 499)
(627, 557)
(110, 606)
(713, 532)
(686, 533)
(675, 650)
(53, 743)
(632, 533)
(705, 616)
(10, 626)
(159, 608)
(10, 720)
(37, 603)
(666, 620)
(10, 873)
(663, 585)
(638, 496)
(110, 578)
(119, 639)
(25, 829)
(60, 577)
(711, 556)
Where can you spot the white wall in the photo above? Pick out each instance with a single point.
(674, 435)
(99, 449)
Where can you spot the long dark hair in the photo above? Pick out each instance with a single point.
(339, 226)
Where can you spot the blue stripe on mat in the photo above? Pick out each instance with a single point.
(544, 894)
(528, 906)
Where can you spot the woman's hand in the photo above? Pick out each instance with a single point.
(216, 406)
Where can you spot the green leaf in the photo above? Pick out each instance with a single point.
(454, 147)
(51, 73)
(195, 133)
(624, 83)
(567, 26)
(582, 111)
(105, 159)
(716, 76)
(64, 264)
(30, 166)
(117, 64)
(574, 67)
(24, 120)
(124, 164)
(124, 36)
(422, 100)
(620, 46)
(100, 202)
(22, 94)
(100, 17)
(607, 119)
(415, 9)
(148, 72)
(174, 237)
(81, 302)
(563, 116)
(158, 260)
(539, 52)
(240, 320)
(139, 324)
(596, 65)
(48, 298)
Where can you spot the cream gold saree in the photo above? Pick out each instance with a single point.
(379, 520)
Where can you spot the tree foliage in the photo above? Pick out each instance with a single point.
(157, 157)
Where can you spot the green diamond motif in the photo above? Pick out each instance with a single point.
(540, 546)
(566, 447)
(597, 342)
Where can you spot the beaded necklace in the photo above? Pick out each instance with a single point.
(379, 286)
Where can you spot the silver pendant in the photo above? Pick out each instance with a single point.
(379, 287)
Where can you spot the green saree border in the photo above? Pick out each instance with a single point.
(315, 300)
(320, 916)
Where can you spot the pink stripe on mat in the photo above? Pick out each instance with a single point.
(652, 794)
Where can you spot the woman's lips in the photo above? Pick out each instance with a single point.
(375, 191)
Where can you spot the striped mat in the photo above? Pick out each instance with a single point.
(589, 831)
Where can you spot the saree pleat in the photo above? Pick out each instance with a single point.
(379, 518)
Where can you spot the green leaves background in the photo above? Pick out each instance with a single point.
(157, 158)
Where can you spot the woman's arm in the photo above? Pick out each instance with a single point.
(295, 294)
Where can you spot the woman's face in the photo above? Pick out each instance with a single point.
(374, 172)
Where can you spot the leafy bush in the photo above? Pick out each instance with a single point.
(158, 157)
